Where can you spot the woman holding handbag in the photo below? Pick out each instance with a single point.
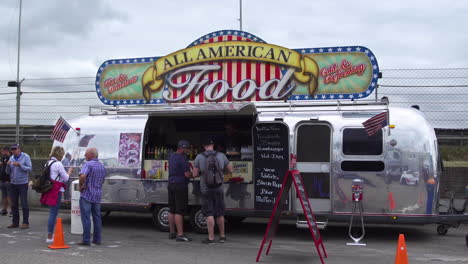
(52, 198)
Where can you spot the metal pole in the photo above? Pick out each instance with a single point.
(240, 15)
(18, 84)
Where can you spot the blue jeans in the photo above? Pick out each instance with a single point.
(19, 191)
(53, 211)
(86, 210)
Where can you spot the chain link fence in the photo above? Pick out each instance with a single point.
(440, 93)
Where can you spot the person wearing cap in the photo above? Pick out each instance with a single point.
(19, 167)
(177, 189)
(5, 179)
(212, 198)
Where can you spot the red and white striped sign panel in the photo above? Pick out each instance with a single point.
(229, 66)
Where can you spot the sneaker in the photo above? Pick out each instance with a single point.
(49, 240)
(84, 244)
(172, 235)
(183, 238)
(208, 241)
(4, 212)
(97, 243)
(13, 226)
(222, 239)
(24, 226)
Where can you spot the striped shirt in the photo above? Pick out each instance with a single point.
(95, 174)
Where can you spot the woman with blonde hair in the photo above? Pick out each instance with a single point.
(52, 198)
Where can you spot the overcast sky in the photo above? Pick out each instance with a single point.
(71, 38)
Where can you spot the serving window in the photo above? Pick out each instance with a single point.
(232, 135)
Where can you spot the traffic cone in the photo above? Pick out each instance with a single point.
(401, 254)
(58, 236)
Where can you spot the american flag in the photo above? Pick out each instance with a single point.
(232, 72)
(60, 130)
(375, 123)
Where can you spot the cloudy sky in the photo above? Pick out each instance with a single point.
(72, 38)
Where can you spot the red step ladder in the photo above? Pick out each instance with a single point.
(292, 176)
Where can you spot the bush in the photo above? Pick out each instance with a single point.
(454, 153)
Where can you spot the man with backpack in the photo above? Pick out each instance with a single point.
(19, 167)
(210, 166)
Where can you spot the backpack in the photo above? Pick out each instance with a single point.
(42, 183)
(213, 174)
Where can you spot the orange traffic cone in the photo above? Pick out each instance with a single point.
(58, 236)
(401, 254)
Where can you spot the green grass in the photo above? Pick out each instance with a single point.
(37, 151)
(456, 163)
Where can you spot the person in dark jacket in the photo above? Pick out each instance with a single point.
(5, 179)
(179, 177)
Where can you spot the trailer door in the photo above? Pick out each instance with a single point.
(313, 148)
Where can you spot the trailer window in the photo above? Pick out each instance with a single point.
(354, 165)
(357, 142)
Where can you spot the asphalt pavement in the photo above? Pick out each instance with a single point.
(131, 238)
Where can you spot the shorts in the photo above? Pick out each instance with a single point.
(178, 198)
(6, 189)
(213, 203)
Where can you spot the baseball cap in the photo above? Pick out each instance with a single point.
(15, 146)
(207, 141)
(183, 144)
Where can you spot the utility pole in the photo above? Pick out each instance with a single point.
(18, 84)
(240, 14)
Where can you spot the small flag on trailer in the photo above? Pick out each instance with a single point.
(60, 130)
(375, 123)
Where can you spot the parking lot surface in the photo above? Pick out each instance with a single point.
(131, 238)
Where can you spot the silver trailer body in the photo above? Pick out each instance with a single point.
(400, 180)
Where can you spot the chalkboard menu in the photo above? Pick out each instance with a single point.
(271, 161)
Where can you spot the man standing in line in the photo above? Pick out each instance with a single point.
(19, 167)
(177, 189)
(212, 198)
(92, 177)
(5, 179)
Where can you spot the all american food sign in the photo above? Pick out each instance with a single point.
(230, 65)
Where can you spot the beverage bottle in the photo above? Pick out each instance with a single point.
(150, 153)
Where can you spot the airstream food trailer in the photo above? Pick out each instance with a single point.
(261, 103)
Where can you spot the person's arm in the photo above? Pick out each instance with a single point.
(82, 181)
(8, 168)
(63, 174)
(187, 172)
(26, 166)
(196, 167)
(227, 165)
(83, 174)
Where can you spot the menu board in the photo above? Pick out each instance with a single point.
(271, 161)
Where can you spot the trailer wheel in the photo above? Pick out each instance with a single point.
(198, 221)
(161, 217)
(442, 229)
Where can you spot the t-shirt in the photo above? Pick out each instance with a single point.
(178, 166)
(200, 163)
